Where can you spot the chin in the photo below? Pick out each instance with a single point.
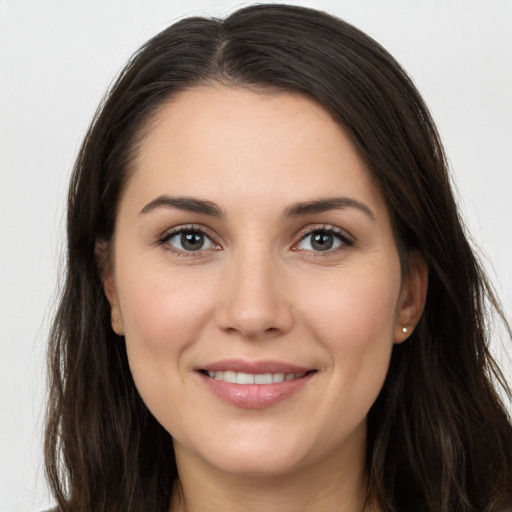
(258, 463)
(250, 455)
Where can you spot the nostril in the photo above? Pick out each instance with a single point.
(253, 317)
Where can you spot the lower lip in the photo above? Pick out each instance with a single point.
(255, 396)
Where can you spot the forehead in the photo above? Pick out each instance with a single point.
(228, 143)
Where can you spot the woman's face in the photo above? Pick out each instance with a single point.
(252, 246)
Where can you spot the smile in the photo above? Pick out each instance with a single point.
(250, 378)
(254, 385)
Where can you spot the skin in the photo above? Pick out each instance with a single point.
(259, 290)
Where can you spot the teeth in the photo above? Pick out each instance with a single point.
(277, 377)
(263, 378)
(244, 378)
(229, 377)
(249, 378)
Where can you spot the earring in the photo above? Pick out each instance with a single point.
(404, 330)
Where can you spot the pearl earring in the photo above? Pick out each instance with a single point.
(404, 330)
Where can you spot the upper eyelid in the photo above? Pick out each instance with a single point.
(343, 233)
(186, 227)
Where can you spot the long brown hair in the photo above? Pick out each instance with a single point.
(439, 438)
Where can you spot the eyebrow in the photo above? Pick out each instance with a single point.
(189, 204)
(204, 207)
(324, 205)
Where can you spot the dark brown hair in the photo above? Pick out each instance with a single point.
(439, 438)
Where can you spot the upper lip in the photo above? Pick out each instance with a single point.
(254, 367)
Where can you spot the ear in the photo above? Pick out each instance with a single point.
(413, 294)
(105, 266)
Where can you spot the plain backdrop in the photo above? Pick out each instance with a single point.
(57, 59)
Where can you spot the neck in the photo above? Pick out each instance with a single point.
(336, 483)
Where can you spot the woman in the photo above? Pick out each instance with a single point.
(270, 300)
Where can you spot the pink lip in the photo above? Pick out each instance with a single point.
(254, 396)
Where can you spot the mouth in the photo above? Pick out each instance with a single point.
(255, 385)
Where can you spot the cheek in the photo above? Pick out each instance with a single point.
(163, 314)
(162, 308)
(358, 305)
(353, 318)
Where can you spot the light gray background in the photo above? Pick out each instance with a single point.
(58, 57)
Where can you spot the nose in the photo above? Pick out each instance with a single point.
(253, 303)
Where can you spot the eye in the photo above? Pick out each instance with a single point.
(321, 240)
(188, 240)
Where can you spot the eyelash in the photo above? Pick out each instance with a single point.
(186, 229)
(342, 236)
